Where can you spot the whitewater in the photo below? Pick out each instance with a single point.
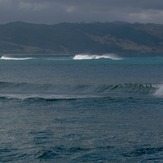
(75, 57)
(90, 56)
(15, 58)
(81, 108)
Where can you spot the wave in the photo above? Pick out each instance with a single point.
(140, 87)
(88, 57)
(46, 98)
(101, 88)
(81, 87)
(52, 92)
(63, 58)
(16, 58)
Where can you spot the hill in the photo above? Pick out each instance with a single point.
(72, 38)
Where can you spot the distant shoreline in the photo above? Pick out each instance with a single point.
(124, 39)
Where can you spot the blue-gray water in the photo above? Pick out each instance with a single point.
(56, 109)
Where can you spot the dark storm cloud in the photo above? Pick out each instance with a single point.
(55, 11)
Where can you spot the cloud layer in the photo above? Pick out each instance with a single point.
(56, 11)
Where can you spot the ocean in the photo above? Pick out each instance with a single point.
(83, 108)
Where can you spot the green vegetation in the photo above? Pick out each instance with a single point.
(72, 38)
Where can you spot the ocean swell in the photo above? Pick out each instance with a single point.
(79, 88)
(52, 92)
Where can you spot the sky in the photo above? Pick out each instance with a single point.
(58, 11)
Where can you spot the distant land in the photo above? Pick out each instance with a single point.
(74, 38)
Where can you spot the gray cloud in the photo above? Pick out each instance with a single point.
(56, 11)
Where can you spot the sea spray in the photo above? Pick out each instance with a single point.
(159, 91)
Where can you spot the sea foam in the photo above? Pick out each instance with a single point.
(88, 56)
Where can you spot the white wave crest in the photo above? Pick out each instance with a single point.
(159, 91)
(87, 56)
(15, 58)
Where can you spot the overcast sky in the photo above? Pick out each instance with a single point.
(56, 11)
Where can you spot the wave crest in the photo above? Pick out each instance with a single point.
(159, 91)
(88, 57)
(15, 58)
(45, 97)
(23, 87)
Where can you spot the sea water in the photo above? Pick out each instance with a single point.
(81, 109)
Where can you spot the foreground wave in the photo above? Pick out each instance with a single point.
(52, 92)
(80, 87)
(46, 98)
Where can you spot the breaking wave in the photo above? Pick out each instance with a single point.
(60, 58)
(88, 57)
(15, 58)
(159, 91)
